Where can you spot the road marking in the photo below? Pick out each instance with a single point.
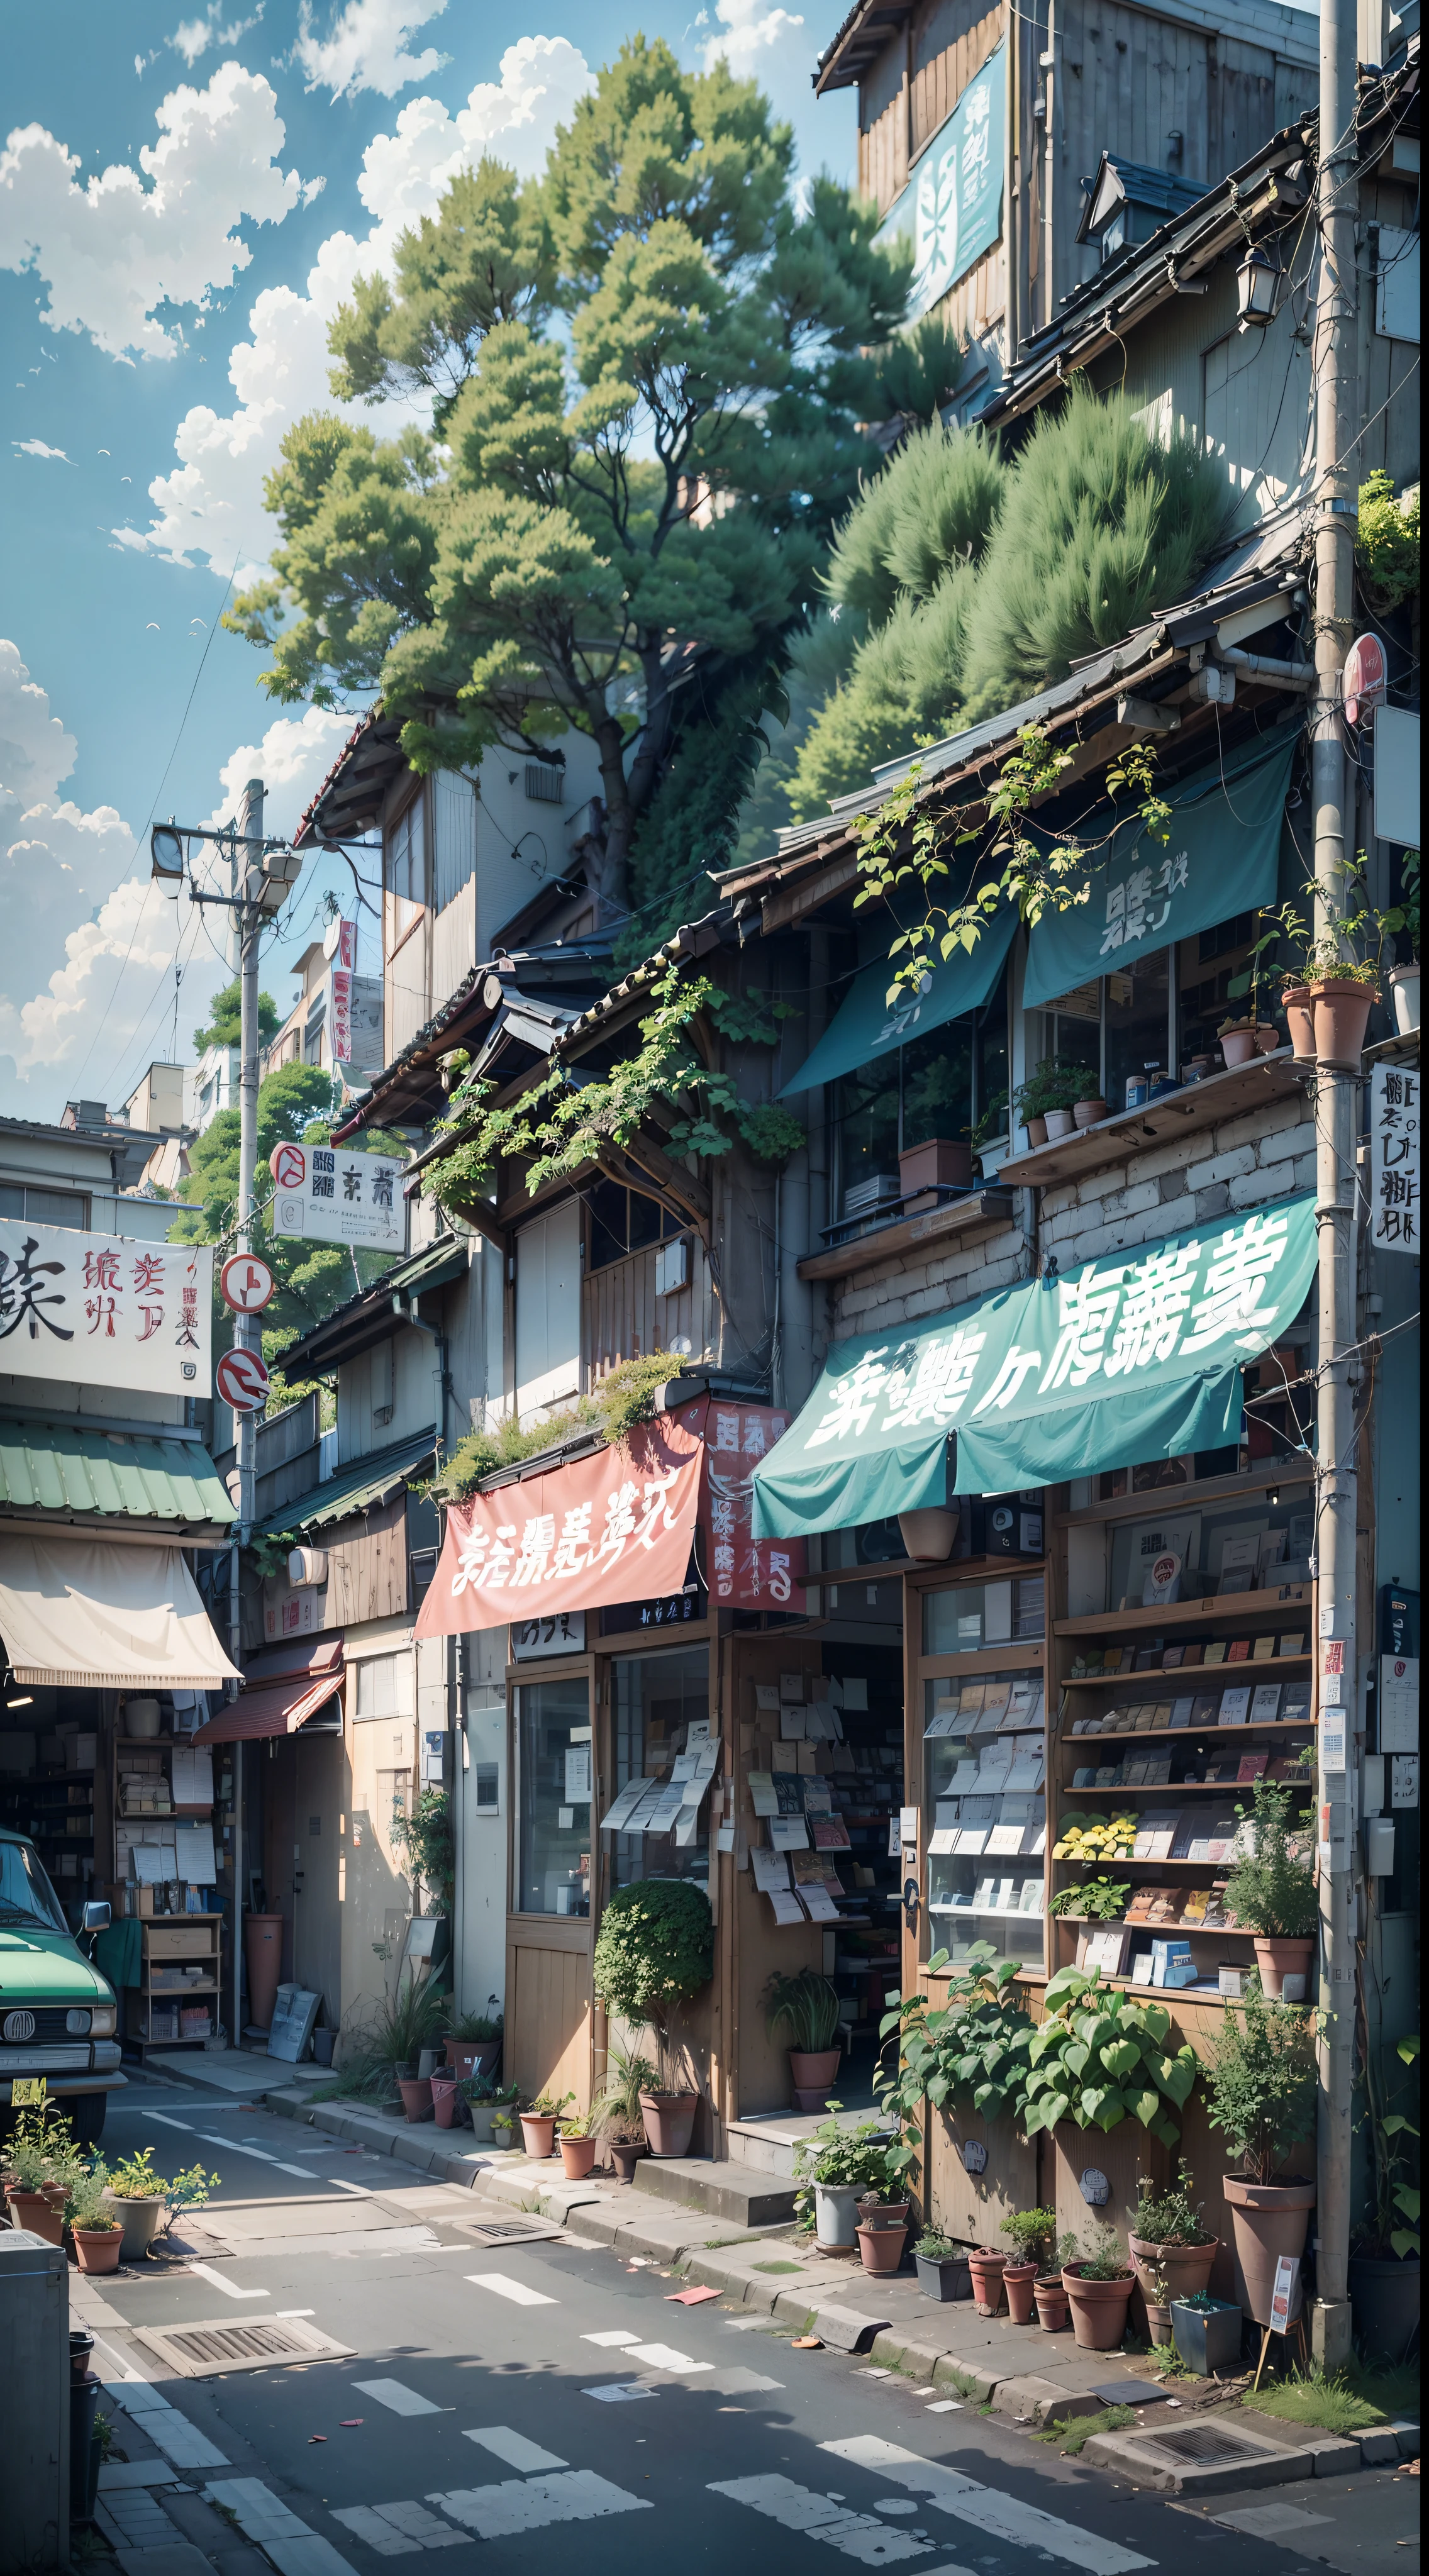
(989, 2509)
(530, 2504)
(230, 2289)
(397, 2399)
(1267, 2521)
(796, 2508)
(263, 2517)
(233, 2146)
(513, 2448)
(611, 2337)
(518, 2292)
(395, 2529)
(295, 2312)
(945, 2406)
(663, 2356)
(618, 2392)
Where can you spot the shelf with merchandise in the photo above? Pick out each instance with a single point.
(1183, 1615)
(1175, 1672)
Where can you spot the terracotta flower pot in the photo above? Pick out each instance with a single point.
(1098, 2309)
(538, 2135)
(882, 2248)
(32, 2210)
(1341, 1008)
(625, 2156)
(1238, 1046)
(1052, 2306)
(1267, 2220)
(669, 2121)
(1019, 2280)
(141, 2221)
(1282, 1963)
(987, 2269)
(444, 2100)
(1036, 1131)
(873, 2212)
(813, 2072)
(1167, 2272)
(928, 1535)
(1301, 1021)
(473, 2056)
(1060, 1122)
(96, 2249)
(577, 2156)
(1089, 1113)
(416, 2092)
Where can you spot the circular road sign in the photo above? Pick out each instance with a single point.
(289, 1166)
(1364, 678)
(245, 1283)
(242, 1380)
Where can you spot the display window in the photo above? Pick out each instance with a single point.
(554, 1756)
(982, 1701)
(660, 1717)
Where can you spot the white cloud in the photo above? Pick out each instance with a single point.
(212, 504)
(367, 47)
(749, 29)
(194, 36)
(115, 250)
(37, 447)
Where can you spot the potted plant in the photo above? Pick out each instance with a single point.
(1099, 2284)
(942, 2267)
(43, 2163)
(95, 2232)
(444, 2086)
(144, 2202)
(486, 2103)
(618, 2113)
(538, 2124)
(1343, 992)
(1271, 1891)
(1384, 2261)
(578, 2145)
(1097, 1900)
(1030, 2230)
(837, 2167)
(1045, 1101)
(1206, 2333)
(1172, 2249)
(473, 2042)
(807, 2007)
(1262, 2096)
(1100, 2056)
(881, 2240)
(504, 2124)
(1050, 2290)
(416, 2092)
(1089, 1108)
(654, 1952)
(987, 2263)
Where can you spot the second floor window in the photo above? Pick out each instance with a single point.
(622, 1221)
(405, 864)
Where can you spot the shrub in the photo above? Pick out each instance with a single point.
(1103, 2255)
(1167, 2215)
(655, 1950)
(1273, 1889)
(1099, 2057)
(1030, 2230)
(1262, 2082)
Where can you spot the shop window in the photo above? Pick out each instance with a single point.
(555, 1782)
(384, 1686)
(623, 1221)
(1137, 1012)
(989, 1110)
(44, 1207)
(984, 1791)
(655, 1702)
(1071, 1031)
(1206, 967)
(968, 1616)
(938, 1086)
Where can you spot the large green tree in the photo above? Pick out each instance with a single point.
(648, 371)
(294, 1103)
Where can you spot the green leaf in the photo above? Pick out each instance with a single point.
(1406, 2201)
(1122, 2057)
(1076, 2059)
(1164, 2129)
(1405, 2240)
(1146, 2108)
(1103, 2105)
(1054, 2107)
(1157, 2020)
(1175, 2076)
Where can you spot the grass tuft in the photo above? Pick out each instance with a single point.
(1071, 2433)
(1326, 2405)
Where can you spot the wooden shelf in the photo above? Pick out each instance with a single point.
(1187, 1614)
(1195, 1734)
(1155, 1672)
(1104, 1862)
(1191, 1107)
(1160, 1788)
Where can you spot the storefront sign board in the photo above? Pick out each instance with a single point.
(104, 1309)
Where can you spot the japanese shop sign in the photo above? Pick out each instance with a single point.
(742, 1572)
(104, 1310)
(1115, 1360)
(326, 1195)
(1142, 893)
(615, 1527)
(1394, 1158)
(951, 209)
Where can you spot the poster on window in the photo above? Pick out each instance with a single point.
(324, 1194)
(105, 1310)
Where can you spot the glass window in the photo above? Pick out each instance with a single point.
(985, 1811)
(937, 1085)
(991, 1102)
(26, 1895)
(1206, 966)
(384, 1686)
(869, 1126)
(968, 1616)
(1072, 1029)
(622, 1221)
(454, 834)
(45, 1207)
(655, 1700)
(405, 866)
(1138, 1023)
(553, 1806)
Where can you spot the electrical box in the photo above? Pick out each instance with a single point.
(34, 2337)
(434, 1758)
(1379, 1846)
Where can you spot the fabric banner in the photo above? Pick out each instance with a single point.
(867, 1025)
(105, 1310)
(78, 1614)
(1142, 893)
(951, 209)
(1126, 1359)
(741, 1572)
(614, 1527)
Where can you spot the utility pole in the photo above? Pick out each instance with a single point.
(1336, 1126)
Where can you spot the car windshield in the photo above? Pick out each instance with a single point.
(26, 1895)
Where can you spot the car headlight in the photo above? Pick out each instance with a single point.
(101, 2021)
(77, 2024)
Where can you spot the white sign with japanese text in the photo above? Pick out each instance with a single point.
(105, 1310)
(1394, 1158)
(326, 1195)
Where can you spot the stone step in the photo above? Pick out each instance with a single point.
(741, 2194)
(770, 2143)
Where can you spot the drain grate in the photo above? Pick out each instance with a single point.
(509, 2231)
(201, 2351)
(1202, 2446)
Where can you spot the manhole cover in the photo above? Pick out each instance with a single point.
(508, 2231)
(200, 2351)
(1201, 2445)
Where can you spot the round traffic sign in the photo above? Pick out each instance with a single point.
(1364, 678)
(242, 1380)
(289, 1166)
(245, 1283)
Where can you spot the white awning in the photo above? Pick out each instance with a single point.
(83, 1613)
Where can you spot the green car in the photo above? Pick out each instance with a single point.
(58, 2017)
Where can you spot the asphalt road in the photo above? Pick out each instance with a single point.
(491, 2392)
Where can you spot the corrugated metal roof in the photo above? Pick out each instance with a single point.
(368, 1480)
(71, 1467)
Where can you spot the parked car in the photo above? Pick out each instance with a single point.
(59, 2017)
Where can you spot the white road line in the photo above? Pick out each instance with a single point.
(663, 2356)
(263, 2517)
(796, 2508)
(989, 2509)
(396, 2398)
(393, 2530)
(234, 2146)
(518, 2292)
(530, 2504)
(611, 2338)
(513, 2448)
(230, 2289)
(619, 2392)
(945, 2406)
(170, 2432)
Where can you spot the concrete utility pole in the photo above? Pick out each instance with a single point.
(1337, 1097)
(247, 1330)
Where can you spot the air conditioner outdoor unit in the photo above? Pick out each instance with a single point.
(307, 1567)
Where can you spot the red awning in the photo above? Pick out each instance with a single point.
(276, 1701)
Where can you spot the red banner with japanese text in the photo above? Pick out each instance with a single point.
(614, 1527)
(742, 1572)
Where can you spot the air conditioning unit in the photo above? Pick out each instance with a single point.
(862, 1197)
(545, 782)
(672, 1266)
(307, 1567)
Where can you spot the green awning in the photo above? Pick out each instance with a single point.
(1124, 1360)
(354, 1489)
(1144, 893)
(866, 1025)
(69, 1466)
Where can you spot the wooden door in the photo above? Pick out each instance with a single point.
(548, 2006)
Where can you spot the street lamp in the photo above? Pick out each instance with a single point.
(1256, 282)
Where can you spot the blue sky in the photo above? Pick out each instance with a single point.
(183, 200)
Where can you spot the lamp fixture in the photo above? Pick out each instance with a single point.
(26, 1702)
(166, 852)
(1257, 282)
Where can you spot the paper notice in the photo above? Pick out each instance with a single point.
(762, 1793)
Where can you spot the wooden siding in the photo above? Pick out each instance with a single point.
(453, 943)
(623, 1319)
(548, 2007)
(952, 39)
